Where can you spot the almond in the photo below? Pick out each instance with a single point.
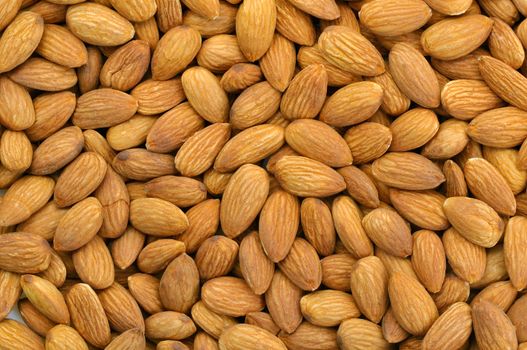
(302, 265)
(18, 336)
(502, 294)
(243, 199)
(475, 220)
(453, 290)
(455, 101)
(255, 24)
(213, 323)
(394, 102)
(60, 46)
(62, 337)
(222, 23)
(350, 51)
(121, 308)
(505, 45)
(294, 24)
(132, 338)
(255, 105)
(422, 208)
(506, 10)
(155, 96)
(283, 301)
(9, 11)
(179, 190)
(145, 290)
(513, 252)
(317, 225)
(278, 63)
(328, 307)
(467, 259)
(240, 76)
(506, 161)
(428, 259)
(357, 332)
(451, 330)
(127, 247)
(98, 25)
(515, 314)
(454, 38)
(41, 74)
(216, 257)
(242, 337)
(262, 320)
(157, 217)
(492, 327)
(179, 285)
(88, 75)
(203, 221)
(493, 128)
(137, 11)
(413, 129)
(125, 68)
(391, 330)
(45, 297)
(378, 138)
(141, 164)
(34, 319)
(48, 117)
(94, 265)
(16, 101)
(256, 268)
(169, 325)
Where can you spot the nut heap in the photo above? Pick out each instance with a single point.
(263, 174)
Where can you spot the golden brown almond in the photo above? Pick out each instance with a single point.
(19, 39)
(317, 225)
(396, 264)
(102, 108)
(502, 294)
(465, 67)
(216, 257)
(390, 18)
(262, 320)
(452, 8)
(205, 95)
(507, 163)
(454, 38)
(240, 76)
(515, 314)
(125, 68)
(505, 45)
(256, 268)
(203, 222)
(328, 307)
(278, 224)
(219, 53)
(56, 271)
(282, 152)
(421, 84)
(48, 117)
(121, 308)
(407, 171)
(136, 11)
(80, 178)
(127, 247)
(179, 285)
(326, 9)
(87, 315)
(388, 230)
(355, 331)
(10, 292)
(347, 219)
(179, 190)
(310, 337)
(494, 127)
(467, 259)
(210, 9)
(115, 201)
(255, 105)
(450, 140)
(133, 339)
(369, 283)
(394, 102)
(46, 298)
(313, 55)
(428, 260)
(455, 180)
(451, 330)
(94, 265)
(243, 199)
(88, 74)
(413, 129)
(278, 63)
(17, 336)
(308, 178)
(474, 220)
(350, 51)
(62, 337)
(60, 46)
(145, 290)
(453, 290)
(378, 141)
(148, 31)
(169, 325)
(496, 73)
(169, 14)
(495, 270)
(156, 97)
(79, 225)
(98, 25)
(413, 307)
(242, 336)
(302, 265)
(283, 302)
(140, 164)
(34, 319)
(391, 330)
(327, 146)
(57, 150)
(43, 222)
(422, 208)
(505, 10)
(255, 25)
(513, 252)
(462, 106)
(336, 269)
(249, 146)
(157, 217)
(223, 23)
(492, 328)
(9, 11)
(294, 24)
(24, 198)
(217, 296)
(130, 133)
(306, 93)
(211, 322)
(157, 255)
(15, 151)
(41, 74)
(16, 101)
(412, 39)
(352, 104)
(496, 192)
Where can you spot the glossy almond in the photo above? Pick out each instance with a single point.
(451, 330)
(378, 138)
(369, 284)
(255, 24)
(429, 260)
(494, 127)
(15, 101)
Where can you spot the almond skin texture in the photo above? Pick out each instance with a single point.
(493, 128)
(255, 105)
(283, 301)
(394, 18)
(176, 49)
(463, 106)
(466, 259)
(360, 186)
(388, 230)
(15, 101)
(422, 208)
(255, 24)
(243, 199)
(487, 184)
(243, 336)
(100, 275)
(428, 260)
(350, 51)
(317, 225)
(413, 307)
(46, 298)
(20, 39)
(369, 283)
(98, 25)
(256, 268)
(302, 265)
(308, 178)
(304, 97)
(443, 334)
(360, 334)
(179, 285)
(157, 217)
(62, 337)
(18, 336)
(492, 328)
(60, 46)
(474, 220)
(328, 147)
(454, 38)
(379, 139)
(413, 129)
(513, 241)
(158, 96)
(125, 68)
(407, 171)
(421, 86)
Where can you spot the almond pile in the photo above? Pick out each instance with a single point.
(263, 174)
